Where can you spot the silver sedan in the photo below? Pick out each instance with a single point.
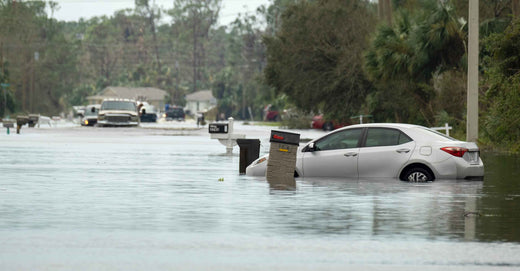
(404, 151)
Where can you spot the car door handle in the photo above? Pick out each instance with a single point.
(348, 154)
(403, 150)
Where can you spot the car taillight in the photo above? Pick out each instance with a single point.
(455, 151)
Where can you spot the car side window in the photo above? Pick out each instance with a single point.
(340, 140)
(403, 138)
(377, 137)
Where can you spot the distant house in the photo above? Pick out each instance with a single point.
(200, 101)
(153, 96)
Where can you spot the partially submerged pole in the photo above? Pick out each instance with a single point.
(473, 50)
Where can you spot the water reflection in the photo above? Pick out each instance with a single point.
(155, 183)
(285, 183)
(387, 208)
(500, 200)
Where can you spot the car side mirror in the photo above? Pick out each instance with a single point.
(311, 147)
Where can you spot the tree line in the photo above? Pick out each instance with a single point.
(399, 61)
(396, 60)
(51, 65)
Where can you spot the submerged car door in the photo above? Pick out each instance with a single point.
(335, 155)
(384, 152)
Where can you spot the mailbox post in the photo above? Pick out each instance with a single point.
(8, 124)
(282, 159)
(224, 133)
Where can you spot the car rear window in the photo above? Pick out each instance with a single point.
(377, 137)
(434, 133)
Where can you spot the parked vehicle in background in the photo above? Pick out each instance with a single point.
(78, 111)
(318, 122)
(408, 152)
(175, 113)
(271, 114)
(90, 116)
(118, 112)
(147, 112)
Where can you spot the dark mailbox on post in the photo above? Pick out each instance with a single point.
(8, 123)
(218, 128)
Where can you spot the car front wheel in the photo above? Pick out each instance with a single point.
(418, 174)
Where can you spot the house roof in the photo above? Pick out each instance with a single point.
(150, 94)
(200, 96)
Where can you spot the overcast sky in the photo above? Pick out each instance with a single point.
(72, 10)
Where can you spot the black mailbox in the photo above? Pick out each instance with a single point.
(249, 152)
(285, 137)
(8, 124)
(33, 120)
(218, 128)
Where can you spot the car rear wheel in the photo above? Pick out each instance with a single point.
(418, 174)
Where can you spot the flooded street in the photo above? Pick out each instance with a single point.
(168, 198)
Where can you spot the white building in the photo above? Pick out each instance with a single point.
(200, 101)
(153, 96)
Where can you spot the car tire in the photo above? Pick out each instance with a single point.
(328, 126)
(418, 174)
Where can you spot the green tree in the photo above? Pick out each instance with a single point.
(152, 14)
(404, 57)
(7, 103)
(238, 85)
(104, 50)
(316, 56)
(195, 19)
(502, 74)
(41, 59)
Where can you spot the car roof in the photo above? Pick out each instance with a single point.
(383, 125)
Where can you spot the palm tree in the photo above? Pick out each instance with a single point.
(409, 53)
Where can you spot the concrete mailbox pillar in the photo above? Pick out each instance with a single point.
(282, 159)
(249, 152)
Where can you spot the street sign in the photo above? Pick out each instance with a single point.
(4, 85)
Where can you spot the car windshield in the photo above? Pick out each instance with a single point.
(441, 136)
(118, 105)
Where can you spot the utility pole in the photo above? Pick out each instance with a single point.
(473, 50)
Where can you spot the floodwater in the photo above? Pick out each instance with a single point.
(168, 198)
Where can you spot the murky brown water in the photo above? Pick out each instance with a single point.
(144, 199)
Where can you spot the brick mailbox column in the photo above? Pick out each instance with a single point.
(282, 159)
